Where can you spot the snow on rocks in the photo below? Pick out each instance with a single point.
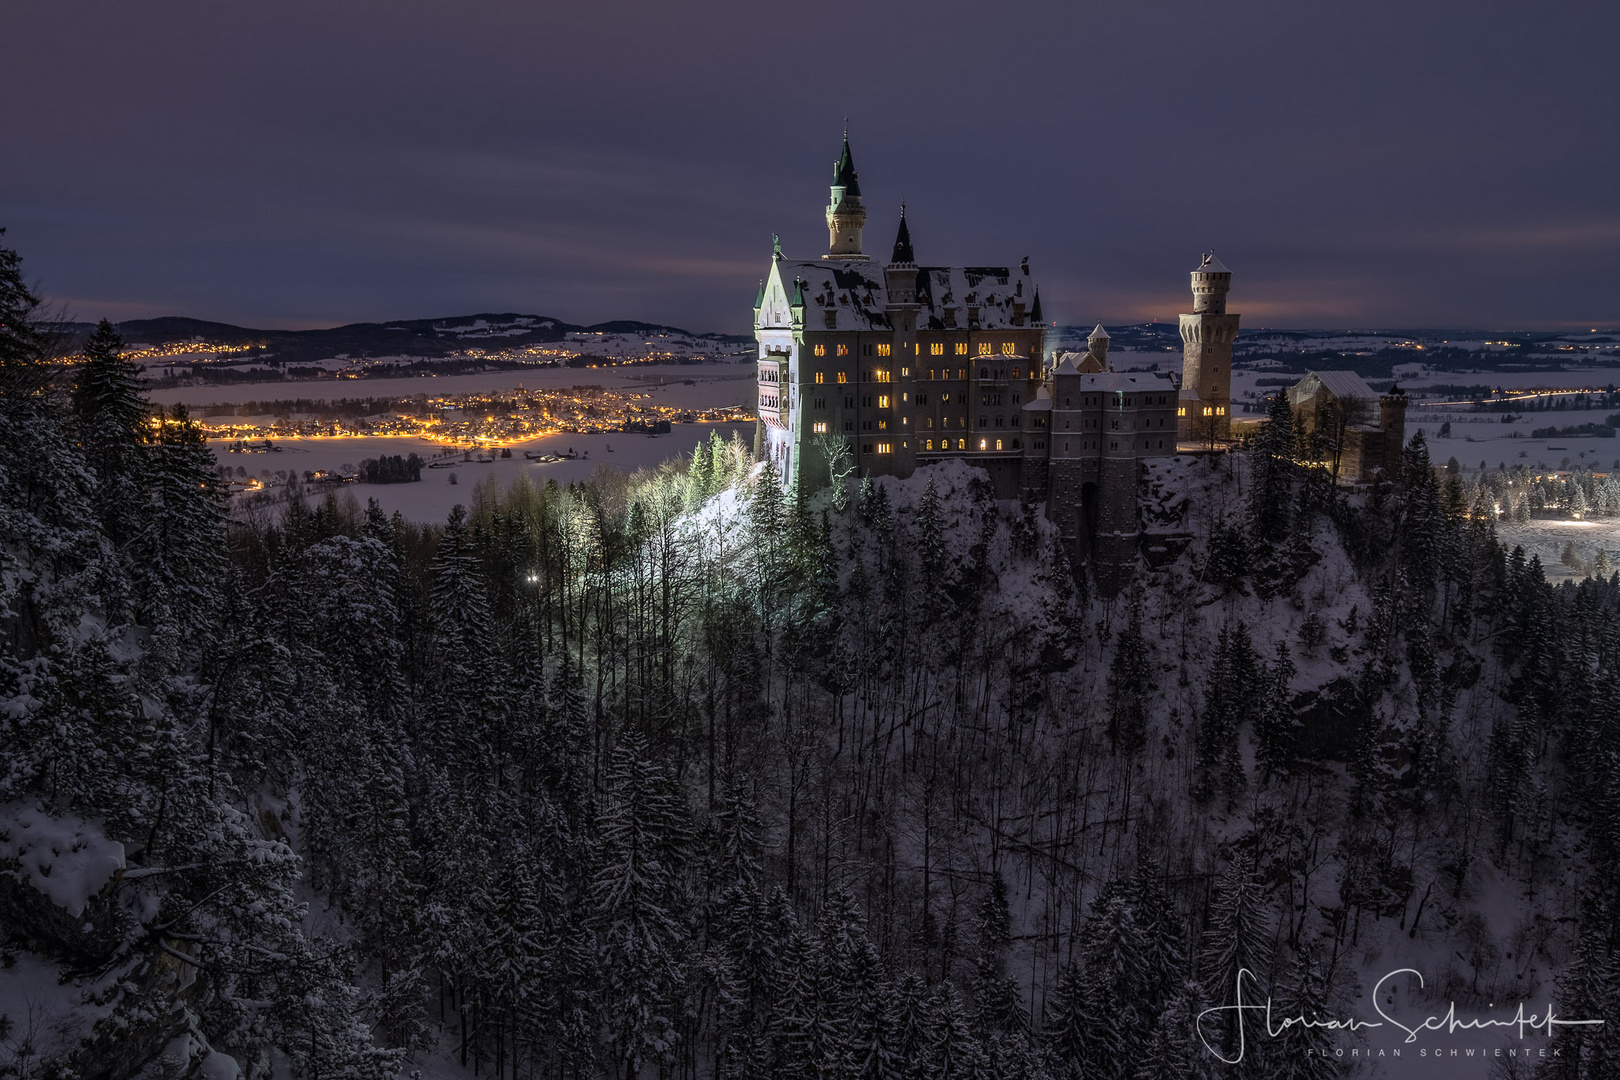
(66, 858)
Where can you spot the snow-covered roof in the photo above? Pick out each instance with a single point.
(1124, 380)
(1210, 265)
(1344, 385)
(857, 292)
(1098, 333)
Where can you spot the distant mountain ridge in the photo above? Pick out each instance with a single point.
(426, 338)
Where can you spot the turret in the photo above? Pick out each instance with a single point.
(1211, 281)
(1097, 345)
(900, 276)
(846, 217)
(1392, 421)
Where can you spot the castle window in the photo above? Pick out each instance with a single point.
(905, 397)
(843, 376)
(1220, 410)
(1017, 372)
(916, 350)
(880, 376)
(1015, 445)
(821, 377)
(819, 427)
(985, 349)
(821, 350)
(1007, 348)
(883, 401)
(922, 399)
(984, 444)
(936, 349)
(849, 425)
(843, 350)
(961, 444)
(999, 420)
(961, 372)
(905, 373)
(866, 401)
(883, 425)
(984, 421)
(866, 350)
(884, 448)
(866, 425)
(930, 422)
(821, 403)
(998, 444)
(1181, 411)
(883, 349)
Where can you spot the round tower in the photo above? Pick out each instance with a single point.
(1097, 345)
(846, 217)
(1207, 335)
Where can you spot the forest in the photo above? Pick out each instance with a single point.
(684, 775)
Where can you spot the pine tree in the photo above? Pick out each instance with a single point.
(637, 896)
(111, 416)
(1274, 717)
(1238, 940)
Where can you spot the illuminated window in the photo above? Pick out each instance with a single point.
(1220, 410)
(1208, 411)
(998, 444)
(916, 350)
(928, 444)
(937, 349)
(1017, 373)
(883, 401)
(905, 373)
(885, 448)
(961, 348)
(883, 350)
(821, 350)
(985, 348)
(820, 427)
(905, 397)
(880, 376)
(843, 376)
(883, 425)
(820, 377)
(984, 444)
(1181, 411)
(1006, 348)
(961, 444)
(961, 372)
(843, 350)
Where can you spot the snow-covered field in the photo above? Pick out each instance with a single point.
(431, 498)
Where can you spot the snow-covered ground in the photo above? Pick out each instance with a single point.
(431, 498)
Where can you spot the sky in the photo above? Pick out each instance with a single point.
(1411, 164)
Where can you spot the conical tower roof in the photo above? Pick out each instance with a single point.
(1035, 308)
(1098, 334)
(844, 174)
(902, 243)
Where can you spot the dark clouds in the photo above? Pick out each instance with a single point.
(1369, 163)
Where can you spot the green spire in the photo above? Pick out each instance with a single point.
(844, 174)
(759, 297)
(798, 292)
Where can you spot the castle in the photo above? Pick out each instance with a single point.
(880, 368)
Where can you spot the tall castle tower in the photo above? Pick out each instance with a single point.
(846, 217)
(1206, 365)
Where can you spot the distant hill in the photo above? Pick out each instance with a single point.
(424, 338)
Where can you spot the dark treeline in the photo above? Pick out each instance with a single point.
(680, 775)
(391, 469)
